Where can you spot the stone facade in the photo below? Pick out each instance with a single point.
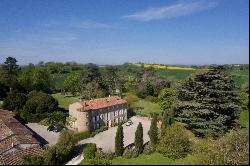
(92, 114)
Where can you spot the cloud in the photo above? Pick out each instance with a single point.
(178, 9)
(76, 23)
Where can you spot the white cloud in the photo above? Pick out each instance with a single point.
(178, 9)
(75, 23)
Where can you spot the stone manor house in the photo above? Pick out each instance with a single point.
(91, 114)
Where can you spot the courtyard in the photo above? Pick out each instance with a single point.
(106, 140)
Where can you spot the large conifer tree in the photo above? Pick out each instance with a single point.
(208, 103)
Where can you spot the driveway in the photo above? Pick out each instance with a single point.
(43, 135)
(106, 139)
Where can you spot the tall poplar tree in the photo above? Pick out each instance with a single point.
(139, 138)
(153, 131)
(119, 141)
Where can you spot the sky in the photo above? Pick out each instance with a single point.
(190, 32)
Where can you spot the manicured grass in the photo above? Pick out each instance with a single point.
(148, 107)
(153, 159)
(64, 100)
(244, 118)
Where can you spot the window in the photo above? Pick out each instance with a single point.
(97, 117)
(94, 119)
(114, 113)
(107, 116)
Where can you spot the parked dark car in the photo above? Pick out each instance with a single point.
(57, 128)
(50, 128)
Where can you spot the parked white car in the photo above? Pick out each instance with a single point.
(129, 122)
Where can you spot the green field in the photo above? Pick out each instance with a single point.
(174, 74)
(153, 159)
(64, 100)
(244, 118)
(148, 107)
(239, 76)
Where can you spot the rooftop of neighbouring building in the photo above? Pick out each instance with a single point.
(101, 103)
(15, 158)
(12, 132)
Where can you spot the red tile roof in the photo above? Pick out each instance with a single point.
(102, 103)
(15, 158)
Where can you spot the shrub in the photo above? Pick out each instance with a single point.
(232, 149)
(81, 135)
(44, 122)
(101, 129)
(105, 155)
(89, 151)
(135, 153)
(174, 143)
(130, 153)
(152, 99)
(95, 161)
(127, 153)
(148, 148)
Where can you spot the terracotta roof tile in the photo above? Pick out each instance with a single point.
(15, 158)
(102, 103)
(12, 132)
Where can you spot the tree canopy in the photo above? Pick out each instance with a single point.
(208, 103)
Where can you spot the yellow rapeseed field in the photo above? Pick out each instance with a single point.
(166, 67)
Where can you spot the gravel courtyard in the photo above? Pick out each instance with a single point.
(106, 139)
(50, 136)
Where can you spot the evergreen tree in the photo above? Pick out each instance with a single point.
(119, 141)
(139, 138)
(208, 103)
(167, 99)
(167, 119)
(9, 75)
(153, 131)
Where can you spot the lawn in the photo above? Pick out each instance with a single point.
(244, 118)
(153, 159)
(64, 100)
(239, 76)
(148, 107)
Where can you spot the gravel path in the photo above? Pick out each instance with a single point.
(106, 139)
(50, 136)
